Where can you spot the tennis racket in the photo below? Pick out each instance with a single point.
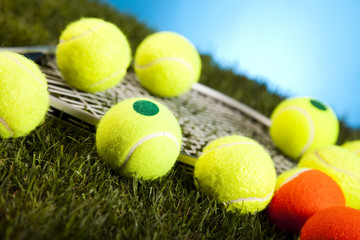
(203, 113)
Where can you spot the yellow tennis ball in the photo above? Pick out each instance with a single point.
(353, 146)
(238, 172)
(302, 124)
(93, 55)
(139, 136)
(340, 164)
(167, 64)
(24, 99)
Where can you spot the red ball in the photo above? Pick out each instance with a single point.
(336, 223)
(302, 193)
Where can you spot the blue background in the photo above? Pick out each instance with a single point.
(308, 48)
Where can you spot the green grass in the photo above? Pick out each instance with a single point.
(54, 186)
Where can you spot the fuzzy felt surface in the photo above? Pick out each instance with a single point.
(130, 138)
(237, 171)
(302, 124)
(301, 194)
(337, 223)
(342, 165)
(167, 64)
(353, 146)
(93, 55)
(24, 99)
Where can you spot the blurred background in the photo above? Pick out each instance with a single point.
(309, 48)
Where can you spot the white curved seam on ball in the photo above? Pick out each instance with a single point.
(251, 199)
(336, 168)
(230, 144)
(311, 125)
(28, 70)
(147, 138)
(107, 78)
(89, 30)
(293, 177)
(3, 122)
(357, 151)
(174, 59)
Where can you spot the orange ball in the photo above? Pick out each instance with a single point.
(336, 223)
(300, 192)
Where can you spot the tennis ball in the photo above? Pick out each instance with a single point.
(167, 64)
(139, 137)
(93, 55)
(302, 124)
(238, 172)
(353, 146)
(24, 99)
(336, 223)
(340, 164)
(299, 193)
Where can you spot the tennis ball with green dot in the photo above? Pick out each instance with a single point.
(24, 99)
(302, 124)
(167, 64)
(139, 137)
(238, 172)
(93, 55)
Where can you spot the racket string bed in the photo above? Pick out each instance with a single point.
(203, 116)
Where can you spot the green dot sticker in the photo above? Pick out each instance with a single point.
(318, 105)
(146, 108)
